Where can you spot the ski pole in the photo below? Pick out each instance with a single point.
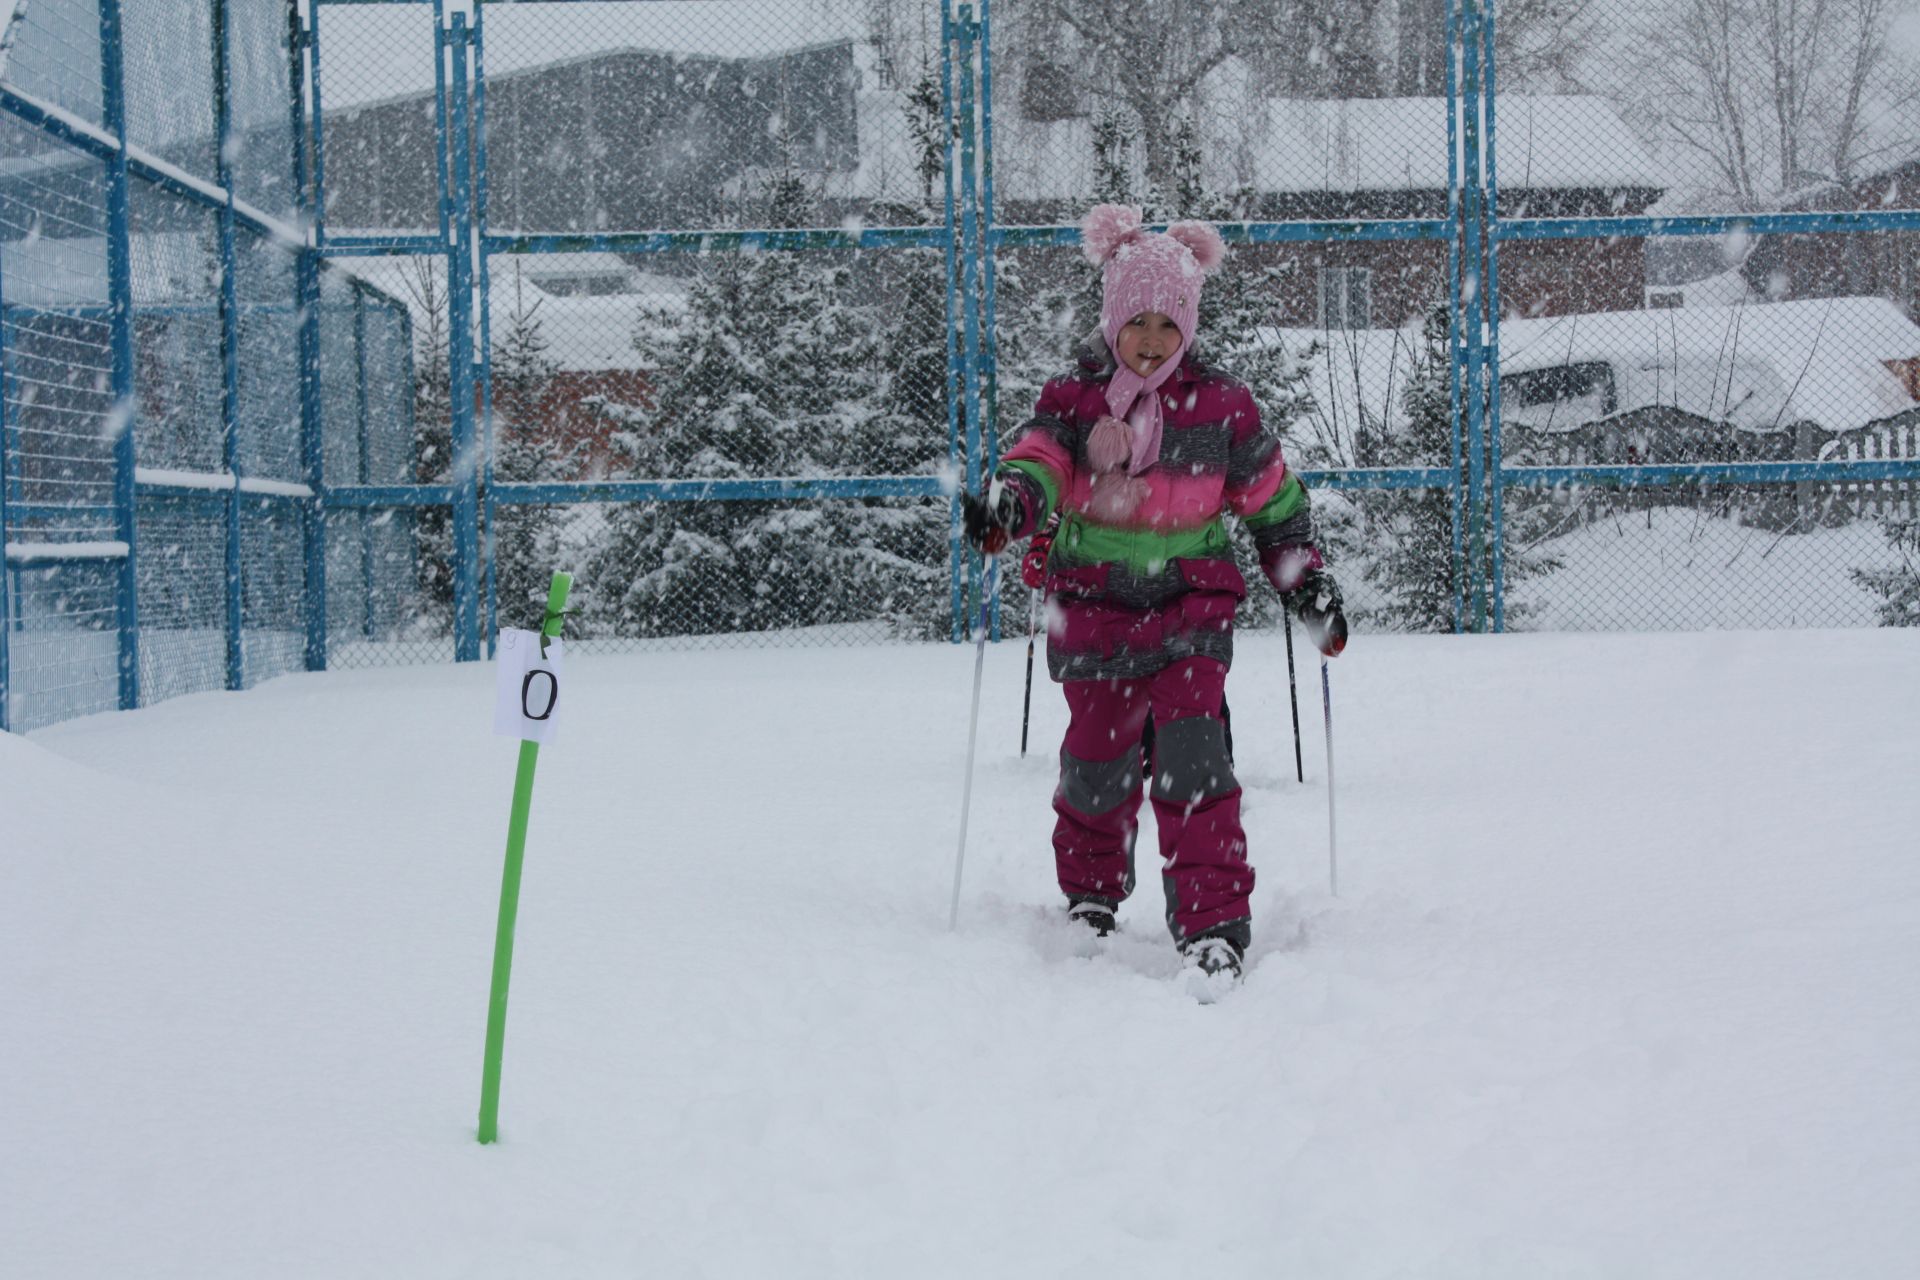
(1026, 702)
(973, 733)
(1333, 860)
(1293, 696)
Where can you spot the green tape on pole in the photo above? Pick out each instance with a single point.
(510, 891)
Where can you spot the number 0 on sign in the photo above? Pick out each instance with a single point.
(526, 687)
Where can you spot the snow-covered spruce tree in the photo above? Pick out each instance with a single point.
(767, 372)
(1408, 536)
(432, 605)
(897, 550)
(529, 446)
(1898, 589)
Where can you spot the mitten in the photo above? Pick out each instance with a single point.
(1005, 513)
(1287, 564)
(1033, 565)
(1317, 601)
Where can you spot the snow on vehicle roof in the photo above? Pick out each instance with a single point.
(1757, 366)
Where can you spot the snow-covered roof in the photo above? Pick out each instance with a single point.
(1760, 366)
(587, 334)
(1757, 366)
(574, 266)
(584, 334)
(372, 53)
(1302, 145)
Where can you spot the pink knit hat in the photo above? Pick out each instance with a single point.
(1143, 271)
(1149, 270)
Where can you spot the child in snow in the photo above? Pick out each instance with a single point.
(1141, 451)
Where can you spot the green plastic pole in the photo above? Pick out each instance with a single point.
(510, 891)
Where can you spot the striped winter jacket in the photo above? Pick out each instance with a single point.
(1128, 599)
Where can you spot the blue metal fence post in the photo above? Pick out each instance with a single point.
(990, 344)
(6, 441)
(1473, 289)
(968, 32)
(1456, 333)
(465, 477)
(318, 131)
(954, 458)
(1497, 587)
(120, 295)
(484, 367)
(229, 346)
(360, 469)
(313, 512)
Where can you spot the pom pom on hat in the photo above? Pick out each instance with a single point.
(1208, 249)
(1105, 228)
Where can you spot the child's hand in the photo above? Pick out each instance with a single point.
(1319, 606)
(991, 522)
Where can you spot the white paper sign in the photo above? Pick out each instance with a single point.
(526, 687)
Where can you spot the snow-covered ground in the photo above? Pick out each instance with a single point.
(1621, 981)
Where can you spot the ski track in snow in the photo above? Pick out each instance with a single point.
(1620, 982)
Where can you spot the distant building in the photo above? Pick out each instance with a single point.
(631, 138)
(1883, 264)
(1384, 158)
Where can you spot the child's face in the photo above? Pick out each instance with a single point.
(1147, 341)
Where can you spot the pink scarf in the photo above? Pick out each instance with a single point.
(1136, 401)
(1126, 441)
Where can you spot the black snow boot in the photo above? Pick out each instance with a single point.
(1095, 913)
(1212, 954)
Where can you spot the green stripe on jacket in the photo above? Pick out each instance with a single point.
(1142, 551)
(1288, 502)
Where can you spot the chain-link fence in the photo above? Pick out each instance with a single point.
(818, 367)
(1735, 445)
(1656, 397)
(160, 475)
(1588, 315)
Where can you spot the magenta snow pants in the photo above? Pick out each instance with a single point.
(1196, 799)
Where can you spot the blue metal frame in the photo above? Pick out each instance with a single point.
(120, 292)
(989, 375)
(558, 493)
(229, 349)
(360, 439)
(717, 240)
(1715, 473)
(311, 42)
(6, 483)
(465, 474)
(1492, 354)
(1473, 288)
(966, 33)
(956, 545)
(1456, 333)
(491, 626)
(313, 514)
(1026, 237)
(1710, 225)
